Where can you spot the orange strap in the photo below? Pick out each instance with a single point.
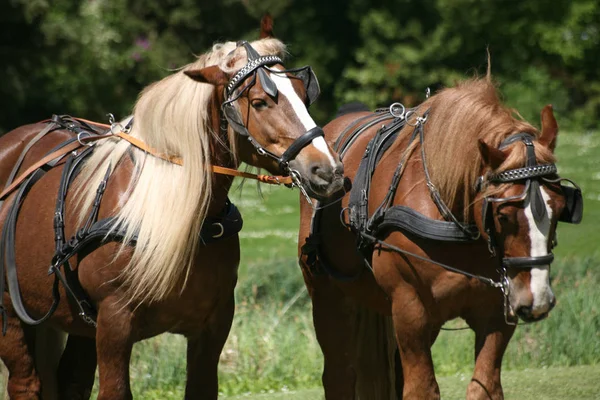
(55, 154)
(272, 180)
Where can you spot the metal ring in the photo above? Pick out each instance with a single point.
(408, 114)
(393, 111)
(220, 225)
(79, 139)
(116, 125)
(419, 120)
(342, 220)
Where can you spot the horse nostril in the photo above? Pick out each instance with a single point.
(524, 312)
(323, 172)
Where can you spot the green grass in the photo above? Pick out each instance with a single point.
(272, 346)
(573, 383)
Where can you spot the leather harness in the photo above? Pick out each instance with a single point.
(93, 234)
(371, 228)
(226, 224)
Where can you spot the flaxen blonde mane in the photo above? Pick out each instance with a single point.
(460, 116)
(166, 203)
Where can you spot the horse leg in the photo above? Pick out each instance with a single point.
(399, 374)
(77, 368)
(49, 345)
(114, 342)
(15, 351)
(398, 366)
(203, 352)
(415, 336)
(334, 333)
(491, 340)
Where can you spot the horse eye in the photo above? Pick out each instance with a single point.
(259, 104)
(503, 217)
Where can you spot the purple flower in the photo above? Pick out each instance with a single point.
(143, 42)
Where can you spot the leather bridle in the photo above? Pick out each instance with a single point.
(258, 65)
(531, 174)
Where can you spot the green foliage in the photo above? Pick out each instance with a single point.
(541, 52)
(526, 93)
(92, 57)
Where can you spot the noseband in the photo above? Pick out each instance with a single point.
(258, 65)
(531, 174)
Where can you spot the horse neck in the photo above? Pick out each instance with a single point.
(220, 153)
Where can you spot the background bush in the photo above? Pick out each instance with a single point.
(88, 58)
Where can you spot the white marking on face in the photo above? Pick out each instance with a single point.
(321, 145)
(284, 85)
(540, 281)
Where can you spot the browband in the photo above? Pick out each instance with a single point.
(252, 65)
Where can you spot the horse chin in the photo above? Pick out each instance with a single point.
(324, 192)
(530, 319)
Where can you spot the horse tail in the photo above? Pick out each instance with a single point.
(49, 345)
(349, 108)
(374, 359)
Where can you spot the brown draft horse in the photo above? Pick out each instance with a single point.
(163, 276)
(467, 134)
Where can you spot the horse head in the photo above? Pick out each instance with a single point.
(522, 201)
(267, 106)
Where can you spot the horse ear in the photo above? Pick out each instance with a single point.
(266, 26)
(549, 128)
(213, 75)
(491, 156)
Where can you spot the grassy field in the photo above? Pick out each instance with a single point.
(556, 383)
(575, 383)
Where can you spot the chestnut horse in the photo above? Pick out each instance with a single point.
(435, 190)
(153, 238)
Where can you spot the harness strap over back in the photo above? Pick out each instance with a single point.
(92, 235)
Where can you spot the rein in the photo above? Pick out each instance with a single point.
(270, 179)
(87, 141)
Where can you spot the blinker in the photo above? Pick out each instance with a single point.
(258, 65)
(573, 211)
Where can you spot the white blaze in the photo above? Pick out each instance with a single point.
(284, 85)
(540, 281)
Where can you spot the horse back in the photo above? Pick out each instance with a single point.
(341, 124)
(14, 142)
